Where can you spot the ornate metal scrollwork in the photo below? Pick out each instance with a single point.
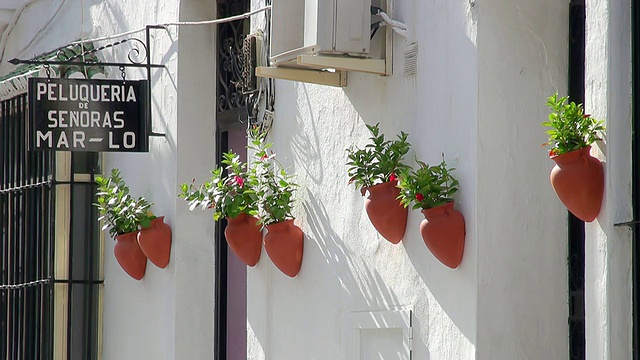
(84, 54)
(230, 39)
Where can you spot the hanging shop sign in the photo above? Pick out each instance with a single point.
(88, 115)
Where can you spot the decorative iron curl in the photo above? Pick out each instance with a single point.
(136, 52)
(134, 55)
(61, 55)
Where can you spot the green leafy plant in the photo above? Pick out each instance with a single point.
(428, 186)
(571, 129)
(229, 192)
(379, 161)
(274, 188)
(120, 212)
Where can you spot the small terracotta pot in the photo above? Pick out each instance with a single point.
(284, 245)
(129, 256)
(578, 180)
(443, 232)
(155, 242)
(244, 237)
(385, 212)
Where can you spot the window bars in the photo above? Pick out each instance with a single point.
(26, 233)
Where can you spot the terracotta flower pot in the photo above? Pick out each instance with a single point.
(155, 242)
(443, 232)
(386, 213)
(244, 237)
(284, 244)
(129, 255)
(578, 180)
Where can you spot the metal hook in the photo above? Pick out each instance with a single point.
(47, 70)
(124, 75)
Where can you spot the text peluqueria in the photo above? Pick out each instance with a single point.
(85, 93)
(90, 106)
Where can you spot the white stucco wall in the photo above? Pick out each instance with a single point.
(485, 69)
(522, 241)
(484, 72)
(347, 266)
(608, 249)
(168, 314)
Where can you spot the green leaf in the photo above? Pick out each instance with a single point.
(145, 222)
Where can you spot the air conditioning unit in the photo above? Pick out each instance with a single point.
(319, 41)
(311, 27)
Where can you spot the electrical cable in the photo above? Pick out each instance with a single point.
(123, 34)
(398, 31)
(12, 24)
(42, 30)
(374, 29)
(399, 27)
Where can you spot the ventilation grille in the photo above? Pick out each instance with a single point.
(411, 60)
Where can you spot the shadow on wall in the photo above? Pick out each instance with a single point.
(438, 108)
(159, 39)
(305, 145)
(351, 273)
(334, 281)
(164, 47)
(362, 287)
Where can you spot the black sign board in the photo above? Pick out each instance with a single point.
(88, 115)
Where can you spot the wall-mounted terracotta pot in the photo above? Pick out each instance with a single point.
(578, 180)
(386, 213)
(443, 232)
(244, 237)
(130, 256)
(155, 242)
(284, 245)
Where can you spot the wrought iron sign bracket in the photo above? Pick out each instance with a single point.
(136, 57)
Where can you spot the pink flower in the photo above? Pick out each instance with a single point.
(419, 197)
(238, 180)
(263, 157)
(393, 177)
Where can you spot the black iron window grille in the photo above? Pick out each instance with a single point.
(26, 238)
(231, 101)
(50, 247)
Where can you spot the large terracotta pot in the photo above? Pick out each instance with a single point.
(244, 237)
(443, 232)
(284, 245)
(155, 242)
(578, 180)
(386, 213)
(129, 255)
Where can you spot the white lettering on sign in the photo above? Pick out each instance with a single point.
(79, 140)
(42, 89)
(62, 141)
(77, 115)
(85, 119)
(43, 137)
(117, 118)
(111, 144)
(129, 140)
(86, 92)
